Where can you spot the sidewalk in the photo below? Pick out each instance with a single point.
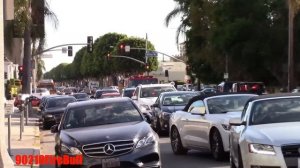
(29, 145)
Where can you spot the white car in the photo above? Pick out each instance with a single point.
(204, 123)
(40, 92)
(145, 95)
(268, 133)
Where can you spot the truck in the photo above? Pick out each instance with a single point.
(48, 84)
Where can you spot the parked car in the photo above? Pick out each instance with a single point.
(54, 109)
(165, 105)
(128, 92)
(81, 96)
(107, 133)
(267, 133)
(40, 92)
(204, 123)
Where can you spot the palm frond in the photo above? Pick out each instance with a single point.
(174, 13)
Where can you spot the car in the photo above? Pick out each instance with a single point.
(128, 92)
(110, 95)
(43, 101)
(99, 93)
(40, 92)
(204, 123)
(145, 95)
(54, 109)
(81, 96)
(267, 133)
(165, 105)
(107, 133)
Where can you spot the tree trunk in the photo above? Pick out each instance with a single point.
(291, 48)
(26, 79)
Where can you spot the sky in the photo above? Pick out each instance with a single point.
(81, 18)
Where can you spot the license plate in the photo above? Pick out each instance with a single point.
(110, 163)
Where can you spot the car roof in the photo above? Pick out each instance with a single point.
(178, 92)
(99, 101)
(155, 85)
(275, 95)
(202, 97)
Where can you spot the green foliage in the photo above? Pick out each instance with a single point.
(97, 65)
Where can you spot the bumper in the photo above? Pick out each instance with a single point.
(143, 157)
(252, 160)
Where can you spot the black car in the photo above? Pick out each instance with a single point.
(128, 92)
(165, 105)
(54, 109)
(107, 133)
(81, 96)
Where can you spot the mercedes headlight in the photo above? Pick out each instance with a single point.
(261, 149)
(70, 150)
(144, 107)
(150, 139)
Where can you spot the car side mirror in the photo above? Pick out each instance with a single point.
(199, 111)
(54, 128)
(154, 105)
(236, 122)
(134, 97)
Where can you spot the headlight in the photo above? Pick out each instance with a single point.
(48, 116)
(150, 139)
(226, 127)
(144, 107)
(261, 149)
(70, 150)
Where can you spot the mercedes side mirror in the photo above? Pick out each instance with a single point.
(54, 128)
(154, 105)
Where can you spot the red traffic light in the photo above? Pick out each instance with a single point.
(122, 46)
(20, 67)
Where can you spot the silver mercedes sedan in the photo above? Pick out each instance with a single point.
(268, 133)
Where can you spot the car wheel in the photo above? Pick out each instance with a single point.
(176, 143)
(216, 145)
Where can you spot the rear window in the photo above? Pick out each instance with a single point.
(155, 91)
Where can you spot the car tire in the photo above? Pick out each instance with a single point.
(176, 143)
(216, 146)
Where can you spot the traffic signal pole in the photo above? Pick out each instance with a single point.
(62, 45)
(122, 56)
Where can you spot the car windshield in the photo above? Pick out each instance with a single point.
(224, 104)
(101, 114)
(58, 103)
(275, 111)
(80, 96)
(155, 91)
(178, 100)
(40, 90)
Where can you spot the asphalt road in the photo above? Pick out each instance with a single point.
(194, 159)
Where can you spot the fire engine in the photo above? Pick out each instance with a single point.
(136, 80)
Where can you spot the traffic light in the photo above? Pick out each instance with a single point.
(70, 51)
(90, 44)
(147, 66)
(21, 71)
(166, 73)
(5, 75)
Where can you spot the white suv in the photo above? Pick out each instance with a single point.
(145, 95)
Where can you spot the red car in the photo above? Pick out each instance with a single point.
(35, 102)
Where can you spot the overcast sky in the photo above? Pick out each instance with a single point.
(81, 18)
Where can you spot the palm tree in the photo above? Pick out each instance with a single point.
(182, 9)
(30, 24)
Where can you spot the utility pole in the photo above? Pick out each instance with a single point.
(146, 50)
(291, 47)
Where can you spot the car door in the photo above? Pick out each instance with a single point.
(195, 125)
(156, 111)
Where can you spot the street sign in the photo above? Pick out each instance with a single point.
(226, 75)
(127, 48)
(64, 50)
(151, 54)
(9, 107)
